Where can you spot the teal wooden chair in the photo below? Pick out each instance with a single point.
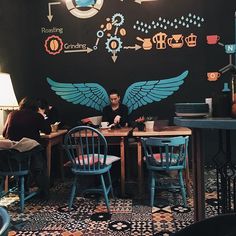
(4, 222)
(17, 164)
(165, 154)
(86, 149)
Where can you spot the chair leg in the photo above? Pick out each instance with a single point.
(152, 188)
(2, 186)
(73, 191)
(105, 193)
(110, 184)
(183, 191)
(22, 192)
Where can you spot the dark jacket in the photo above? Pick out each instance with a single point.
(25, 123)
(109, 114)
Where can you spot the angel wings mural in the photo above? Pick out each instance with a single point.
(137, 94)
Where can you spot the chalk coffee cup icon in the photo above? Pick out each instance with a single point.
(104, 124)
(212, 39)
(213, 76)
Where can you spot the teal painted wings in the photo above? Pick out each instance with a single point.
(137, 94)
(141, 93)
(89, 94)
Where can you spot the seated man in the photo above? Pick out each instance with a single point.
(115, 113)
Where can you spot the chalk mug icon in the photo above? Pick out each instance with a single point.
(213, 76)
(104, 124)
(212, 39)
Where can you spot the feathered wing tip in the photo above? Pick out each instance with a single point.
(142, 93)
(89, 94)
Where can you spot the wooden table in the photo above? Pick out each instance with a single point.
(50, 140)
(197, 125)
(164, 131)
(120, 133)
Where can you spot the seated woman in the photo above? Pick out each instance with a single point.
(27, 122)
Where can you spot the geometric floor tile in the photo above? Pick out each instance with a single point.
(88, 215)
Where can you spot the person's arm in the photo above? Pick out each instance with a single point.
(6, 125)
(44, 125)
(124, 120)
(105, 114)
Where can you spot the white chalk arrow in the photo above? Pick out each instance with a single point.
(50, 16)
(140, 1)
(135, 47)
(114, 57)
(87, 50)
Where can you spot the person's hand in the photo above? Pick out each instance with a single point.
(117, 119)
(42, 112)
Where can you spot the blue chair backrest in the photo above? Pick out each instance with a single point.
(4, 221)
(86, 148)
(13, 162)
(166, 153)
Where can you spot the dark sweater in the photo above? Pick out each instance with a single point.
(25, 123)
(109, 114)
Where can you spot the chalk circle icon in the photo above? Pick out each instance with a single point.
(83, 12)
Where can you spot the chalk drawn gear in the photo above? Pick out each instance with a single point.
(118, 19)
(113, 44)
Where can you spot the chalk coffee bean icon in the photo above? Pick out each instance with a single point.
(53, 45)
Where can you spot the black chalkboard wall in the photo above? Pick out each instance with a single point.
(115, 44)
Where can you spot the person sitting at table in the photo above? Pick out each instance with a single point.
(27, 122)
(115, 113)
(51, 113)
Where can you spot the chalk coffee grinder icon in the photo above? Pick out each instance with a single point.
(160, 40)
(176, 41)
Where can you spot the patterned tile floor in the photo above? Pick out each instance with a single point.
(88, 216)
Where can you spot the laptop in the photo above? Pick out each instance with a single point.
(160, 124)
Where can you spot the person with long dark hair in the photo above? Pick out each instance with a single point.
(27, 122)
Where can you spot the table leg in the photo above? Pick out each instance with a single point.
(140, 168)
(49, 158)
(6, 184)
(122, 165)
(198, 176)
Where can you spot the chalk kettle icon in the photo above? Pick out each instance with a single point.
(191, 40)
(147, 44)
(160, 40)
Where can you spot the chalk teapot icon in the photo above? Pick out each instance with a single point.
(160, 40)
(147, 44)
(191, 40)
(176, 41)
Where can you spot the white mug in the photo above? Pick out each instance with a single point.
(104, 124)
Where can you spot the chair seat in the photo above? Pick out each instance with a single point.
(79, 171)
(93, 158)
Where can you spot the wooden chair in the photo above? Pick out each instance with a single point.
(86, 149)
(165, 154)
(17, 164)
